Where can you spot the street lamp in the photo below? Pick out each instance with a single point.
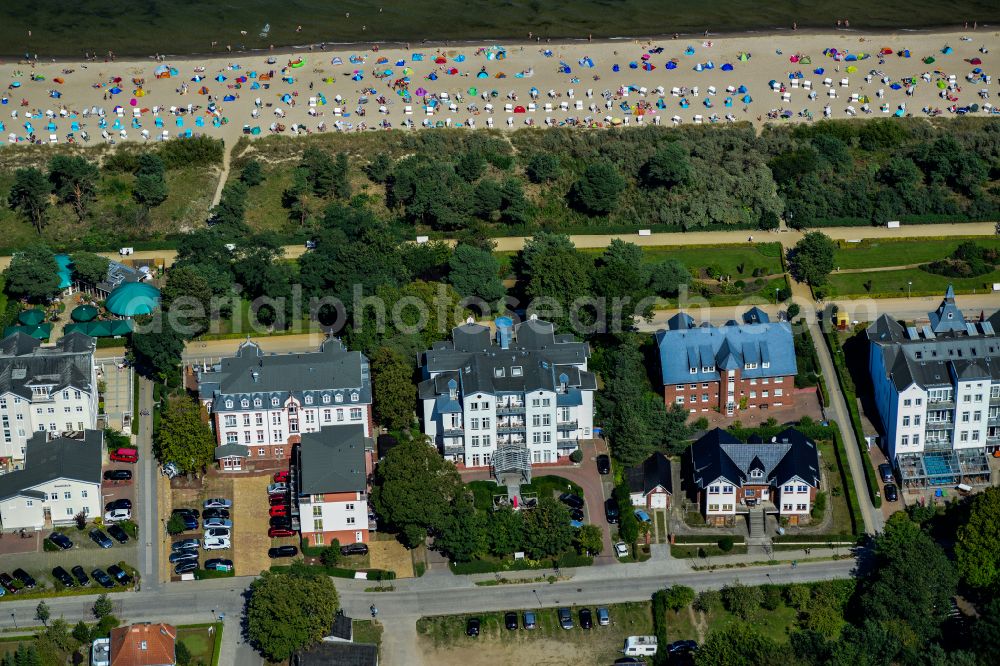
(15, 620)
(776, 289)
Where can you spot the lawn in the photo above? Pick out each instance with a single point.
(893, 284)
(836, 497)
(550, 485)
(200, 641)
(549, 643)
(903, 252)
(368, 631)
(736, 260)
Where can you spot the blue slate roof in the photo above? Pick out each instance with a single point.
(709, 349)
(788, 455)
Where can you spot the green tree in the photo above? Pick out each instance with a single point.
(679, 597)
(476, 272)
(182, 654)
(554, 270)
(252, 173)
(89, 267)
(977, 547)
(184, 437)
(42, 612)
(738, 644)
(589, 540)
(102, 607)
(330, 555)
(230, 213)
(621, 274)
(413, 489)
(150, 187)
(289, 611)
(187, 296)
(546, 529)
(462, 534)
(742, 600)
(29, 195)
(470, 165)
(379, 169)
(505, 531)
(598, 189)
(542, 167)
(666, 278)
(75, 181)
(668, 167)
(812, 258)
(33, 274)
(176, 525)
(628, 524)
(156, 346)
(81, 632)
(392, 385)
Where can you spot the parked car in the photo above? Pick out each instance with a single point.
(61, 540)
(586, 618)
(218, 503)
(565, 618)
(186, 512)
(100, 652)
(125, 455)
(275, 500)
(185, 567)
(682, 646)
(891, 493)
(119, 574)
(8, 583)
(472, 627)
(117, 515)
(218, 533)
(81, 576)
(101, 539)
(282, 551)
(529, 620)
(281, 521)
(642, 516)
(24, 577)
(215, 513)
(885, 472)
(63, 577)
(629, 660)
(279, 510)
(118, 504)
(621, 549)
(281, 477)
(576, 523)
(603, 464)
(117, 533)
(218, 564)
(571, 500)
(611, 510)
(277, 488)
(185, 544)
(190, 522)
(603, 617)
(183, 556)
(103, 579)
(216, 543)
(118, 475)
(510, 620)
(354, 549)
(217, 522)
(577, 515)
(278, 532)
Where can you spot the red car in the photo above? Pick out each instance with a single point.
(281, 477)
(279, 510)
(275, 500)
(279, 532)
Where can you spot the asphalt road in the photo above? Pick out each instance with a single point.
(150, 531)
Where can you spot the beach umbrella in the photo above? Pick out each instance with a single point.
(387, 72)
(747, 99)
(895, 86)
(973, 107)
(453, 71)
(196, 78)
(689, 51)
(615, 68)
(851, 57)
(220, 78)
(400, 63)
(947, 50)
(729, 101)
(818, 70)
(440, 60)
(358, 76)
(885, 51)
(942, 84)
(743, 56)
(433, 76)
(684, 103)
(133, 102)
(928, 60)
(727, 67)
(15, 84)
(32, 317)
(671, 64)
(420, 92)
(975, 61)
(851, 69)
(648, 66)
(742, 89)
(905, 53)
(417, 57)
(698, 67)
(199, 122)
(255, 86)
(229, 98)
(660, 104)
(406, 72)
(459, 58)
(633, 65)
(255, 131)
(179, 122)
(241, 79)
(115, 90)
(473, 91)
(481, 75)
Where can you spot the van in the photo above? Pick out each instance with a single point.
(125, 455)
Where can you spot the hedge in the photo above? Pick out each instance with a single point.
(840, 365)
(659, 610)
(706, 538)
(565, 561)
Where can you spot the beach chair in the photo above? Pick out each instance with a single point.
(656, 120)
(807, 84)
(444, 97)
(710, 90)
(676, 120)
(642, 91)
(590, 92)
(694, 91)
(832, 93)
(453, 107)
(508, 108)
(548, 107)
(564, 106)
(429, 110)
(786, 97)
(570, 93)
(488, 108)
(795, 83)
(510, 121)
(578, 105)
(312, 102)
(855, 97)
(532, 107)
(489, 122)
(843, 82)
(675, 91)
(697, 120)
(337, 111)
(828, 82)
(53, 138)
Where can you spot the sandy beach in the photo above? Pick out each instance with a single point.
(788, 77)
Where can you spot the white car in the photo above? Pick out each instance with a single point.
(117, 515)
(621, 549)
(218, 522)
(218, 533)
(216, 544)
(277, 488)
(100, 653)
(218, 503)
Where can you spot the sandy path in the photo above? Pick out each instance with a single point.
(88, 85)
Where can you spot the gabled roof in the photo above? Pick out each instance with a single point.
(709, 349)
(790, 454)
(143, 645)
(947, 317)
(24, 362)
(333, 460)
(326, 653)
(652, 472)
(73, 458)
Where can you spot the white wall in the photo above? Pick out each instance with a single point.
(720, 498)
(64, 411)
(16, 513)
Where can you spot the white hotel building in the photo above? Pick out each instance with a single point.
(937, 388)
(51, 389)
(527, 392)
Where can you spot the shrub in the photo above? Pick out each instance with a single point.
(576, 456)
(331, 554)
(772, 597)
(708, 601)
(726, 544)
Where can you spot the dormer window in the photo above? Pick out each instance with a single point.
(309, 400)
(749, 366)
(40, 391)
(694, 371)
(765, 365)
(708, 368)
(756, 473)
(355, 397)
(326, 399)
(229, 404)
(257, 402)
(498, 372)
(244, 403)
(339, 397)
(274, 402)
(516, 371)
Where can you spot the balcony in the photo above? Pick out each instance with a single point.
(508, 410)
(508, 428)
(941, 404)
(567, 425)
(453, 431)
(567, 443)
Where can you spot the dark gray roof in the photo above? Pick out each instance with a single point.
(24, 363)
(337, 654)
(231, 450)
(251, 373)
(61, 458)
(535, 359)
(790, 454)
(652, 472)
(333, 460)
(342, 627)
(936, 354)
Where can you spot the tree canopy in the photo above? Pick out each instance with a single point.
(977, 548)
(289, 611)
(33, 274)
(29, 195)
(812, 258)
(476, 272)
(89, 267)
(392, 385)
(184, 437)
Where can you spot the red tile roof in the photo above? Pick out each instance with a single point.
(143, 645)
